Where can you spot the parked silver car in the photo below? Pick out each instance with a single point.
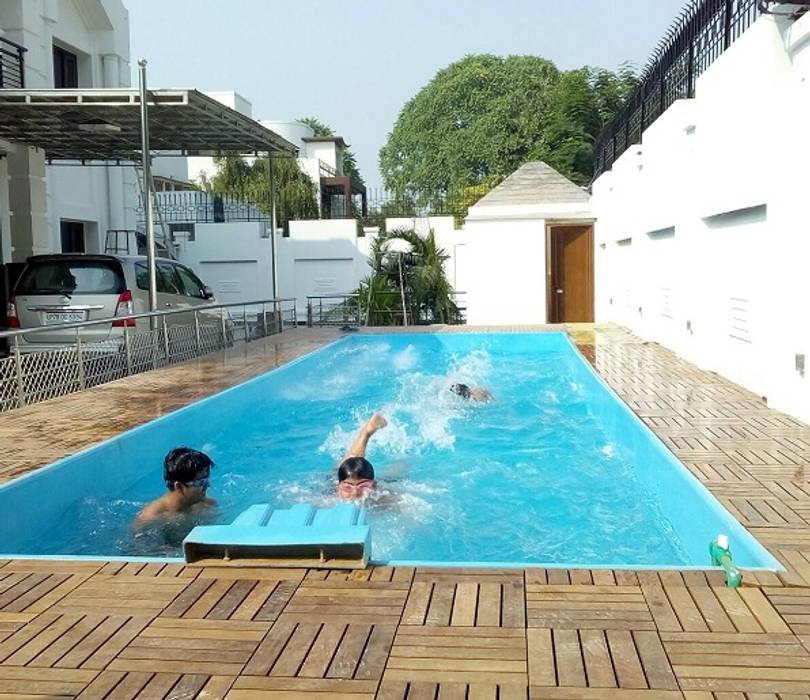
(70, 288)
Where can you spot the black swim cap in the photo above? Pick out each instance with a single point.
(462, 390)
(355, 466)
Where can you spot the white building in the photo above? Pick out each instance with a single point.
(320, 157)
(528, 251)
(702, 235)
(46, 208)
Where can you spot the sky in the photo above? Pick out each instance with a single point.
(355, 64)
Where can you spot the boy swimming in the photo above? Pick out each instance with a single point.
(478, 393)
(187, 476)
(355, 473)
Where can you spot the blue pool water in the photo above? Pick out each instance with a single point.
(555, 470)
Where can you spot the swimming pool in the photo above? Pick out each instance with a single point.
(555, 471)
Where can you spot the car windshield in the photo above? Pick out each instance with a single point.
(71, 277)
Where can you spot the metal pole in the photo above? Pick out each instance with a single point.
(197, 330)
(272, 179)
(127, 350)
(402, 293)
(18, 370)
(245, 323)
(264, 319)
(80, 362)
(147, 190)
(166, 339)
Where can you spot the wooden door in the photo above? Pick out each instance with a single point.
(570, 290)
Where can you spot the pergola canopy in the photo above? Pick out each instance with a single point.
(104, 124)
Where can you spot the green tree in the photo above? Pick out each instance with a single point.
(482, 117)
(349, 160)
(296, 195)
(418, 271)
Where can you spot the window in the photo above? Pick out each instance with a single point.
(65, 68)
(72, 234)
(73, 277)
(192, 286)
(166, 281)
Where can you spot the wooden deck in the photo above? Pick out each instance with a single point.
(134, 630)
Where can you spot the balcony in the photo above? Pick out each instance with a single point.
(12, 64)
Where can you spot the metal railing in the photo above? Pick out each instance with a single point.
(383, 203)
(696, 39)
(156, 339)
(326, 170)
(385, 308)
(196, 206)
(12, 64)
(334, 310)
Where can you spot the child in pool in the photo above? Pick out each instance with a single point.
(187, 476)
(355, 473)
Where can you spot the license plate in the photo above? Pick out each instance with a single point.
(64, 317)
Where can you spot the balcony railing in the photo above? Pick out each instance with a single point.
(696, 39)
(12, 64)
(325, 169)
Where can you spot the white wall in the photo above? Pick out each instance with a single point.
(234, 259)
(702, 229)
(101, 197)
(505, 277)
(321, 257)
(503, 262)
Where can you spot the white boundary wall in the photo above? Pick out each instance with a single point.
(703, 230)
(234, 259)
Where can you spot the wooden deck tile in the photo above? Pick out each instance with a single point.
(793, 605)
(772, 663)
(590, 606)
(348, 602)
(462, 655)
(274, 688)
(122, 594)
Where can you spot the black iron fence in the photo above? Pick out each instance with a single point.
(197, 206)
(12, 64)
(383, 203)
(703, 31)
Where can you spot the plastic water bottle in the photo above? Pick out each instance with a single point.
(721, 556)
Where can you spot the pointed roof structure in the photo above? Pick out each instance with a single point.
(534, 190)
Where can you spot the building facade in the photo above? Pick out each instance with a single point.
(702, 234)
(48, 207)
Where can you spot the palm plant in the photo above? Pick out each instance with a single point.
(417, 274)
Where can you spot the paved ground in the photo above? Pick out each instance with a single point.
(127, 630)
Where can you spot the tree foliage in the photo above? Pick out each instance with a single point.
(481, 118)
(296, 195)
(418, 271)
(349, 159)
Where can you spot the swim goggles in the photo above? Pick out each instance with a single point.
(356, 490)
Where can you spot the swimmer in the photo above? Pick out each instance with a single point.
(355, 473)
(479, 393)
(186, 473)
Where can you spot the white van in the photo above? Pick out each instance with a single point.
(75, 287)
